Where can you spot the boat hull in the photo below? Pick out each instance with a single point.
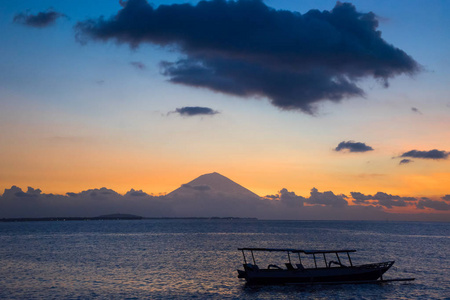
(368, 272)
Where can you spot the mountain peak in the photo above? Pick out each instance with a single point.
(212, 183)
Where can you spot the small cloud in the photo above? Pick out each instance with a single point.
(360, 198)
(39, 20)
(135, 193)
(405, 161)
(414, 109)
(138, 65)
(272, 197)
(290, 198)
(382, 199)
(190, 111)
(353, 147)
(434, 204)
(432, 154)
(326, 198)
(30, 193)
(446, 198)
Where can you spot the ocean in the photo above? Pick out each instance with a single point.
(198, 258)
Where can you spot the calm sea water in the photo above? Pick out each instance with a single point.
(197, 259)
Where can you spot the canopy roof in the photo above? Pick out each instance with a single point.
(297, 250)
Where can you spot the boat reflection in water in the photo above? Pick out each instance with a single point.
(334, 271)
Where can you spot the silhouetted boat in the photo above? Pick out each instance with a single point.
(331, 272)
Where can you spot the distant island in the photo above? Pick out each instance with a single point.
(116, 217)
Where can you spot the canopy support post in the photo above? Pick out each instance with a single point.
(243, 254)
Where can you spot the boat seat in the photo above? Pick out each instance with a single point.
(274, 267)
(289, 266)
(336, 263)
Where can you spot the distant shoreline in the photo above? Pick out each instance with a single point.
(111, 218)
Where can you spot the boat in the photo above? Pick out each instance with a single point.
(326, 267)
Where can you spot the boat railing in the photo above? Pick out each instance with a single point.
(297, 252)
(386, 264)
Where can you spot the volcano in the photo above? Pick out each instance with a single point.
(213, 183)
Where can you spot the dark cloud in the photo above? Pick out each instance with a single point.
(432, 154)
(138, 65)
(405, 161)
(326, 198)
(416, 110)
(90, 203)
(39, 20)
(434, 204)
(446, 198)
(316, 198)
(390, 201)
(31, 193)
(360, 198)
(382, 199)
(248, 49)
(135, 193)
(195, 111)
(287, 198)
(353, 147)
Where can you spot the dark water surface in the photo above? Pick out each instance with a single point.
(197, 259)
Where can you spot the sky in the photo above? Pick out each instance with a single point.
(295, 96)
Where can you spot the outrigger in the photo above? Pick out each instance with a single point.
(330, 272)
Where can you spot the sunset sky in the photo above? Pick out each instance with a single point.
(89, 102)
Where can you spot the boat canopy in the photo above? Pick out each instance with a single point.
(297, 250)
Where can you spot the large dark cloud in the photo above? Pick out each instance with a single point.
(39, 20)
(195, 111)
(353, 147)
(432, 154)
(248, 49)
